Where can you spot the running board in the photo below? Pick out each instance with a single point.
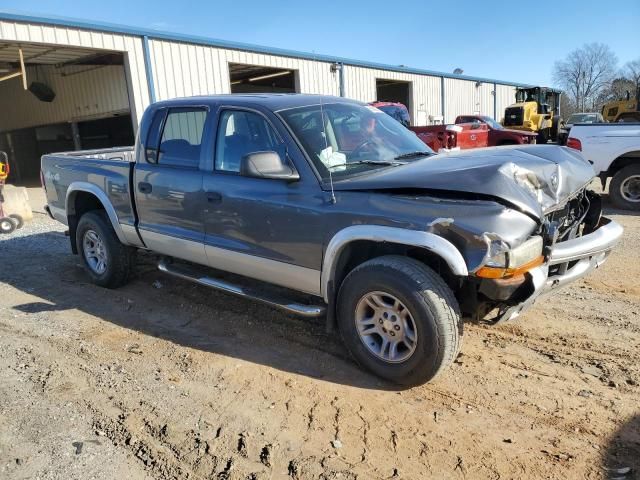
(240, 291)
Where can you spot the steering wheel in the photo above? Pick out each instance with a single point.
(356, 151)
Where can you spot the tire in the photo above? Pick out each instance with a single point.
(95, 228)
(430, 304)
(624, 188)
(555, 128)
(542, 138)
(18, 219)
(7, 225)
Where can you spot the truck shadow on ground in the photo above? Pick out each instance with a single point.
(190, 315)
(621, 458)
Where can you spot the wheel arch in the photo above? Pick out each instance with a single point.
(83, 197)
(622, 161)
(385, 241)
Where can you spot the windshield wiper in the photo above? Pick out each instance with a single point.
(418, 153)
(367, 162)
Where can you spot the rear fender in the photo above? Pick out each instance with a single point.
(70, 206)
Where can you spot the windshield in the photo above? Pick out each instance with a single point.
(355, 138)
(492, 123)
(583, 118)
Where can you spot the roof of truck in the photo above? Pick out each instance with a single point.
(273, 101)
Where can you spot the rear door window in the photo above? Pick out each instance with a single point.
(181, 141)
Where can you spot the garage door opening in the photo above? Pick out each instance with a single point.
(75, 99)
(394, 91)
(257, 79)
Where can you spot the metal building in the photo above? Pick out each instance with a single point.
(86, 85)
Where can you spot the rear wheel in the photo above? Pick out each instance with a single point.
(399, 319)
(7, 225)
(624, 188)
(107, 261)
(18, 219)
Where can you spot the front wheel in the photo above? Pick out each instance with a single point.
(624, 188)
(107, 261)
(543, 137)
(399, 319)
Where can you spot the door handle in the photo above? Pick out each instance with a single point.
(144, 187)
(213, 197)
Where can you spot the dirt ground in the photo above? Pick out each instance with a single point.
(163, 379)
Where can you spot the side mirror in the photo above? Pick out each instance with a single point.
(267, 165)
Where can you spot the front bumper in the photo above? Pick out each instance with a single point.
(569, 261)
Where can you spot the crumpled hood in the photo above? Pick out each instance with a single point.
(536, 179)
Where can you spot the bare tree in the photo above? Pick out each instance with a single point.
(631, 71)
(585, 73)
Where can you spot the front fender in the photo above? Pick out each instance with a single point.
(377, 233)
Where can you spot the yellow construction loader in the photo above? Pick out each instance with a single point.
(537, 109)
(619, 109)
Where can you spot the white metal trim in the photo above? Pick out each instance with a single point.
(104, 199)
(440, 246)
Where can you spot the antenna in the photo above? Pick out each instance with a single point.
(326, 146)
(326, 143)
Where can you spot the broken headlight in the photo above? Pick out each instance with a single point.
(515, 261)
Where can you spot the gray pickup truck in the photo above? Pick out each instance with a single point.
(326, 206)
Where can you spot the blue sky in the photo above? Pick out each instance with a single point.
(486, 38)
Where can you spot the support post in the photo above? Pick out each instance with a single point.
(149, 69)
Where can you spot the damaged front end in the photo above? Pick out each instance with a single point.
(572, 241)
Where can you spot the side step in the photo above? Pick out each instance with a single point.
(300, 309)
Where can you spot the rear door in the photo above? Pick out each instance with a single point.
(168, 184)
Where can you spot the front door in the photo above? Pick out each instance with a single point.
(264, 228)
(168, 185)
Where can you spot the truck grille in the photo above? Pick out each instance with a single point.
(513, 116)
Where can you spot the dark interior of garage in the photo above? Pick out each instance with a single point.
(393, 91)
(257, 79)
(74, 99)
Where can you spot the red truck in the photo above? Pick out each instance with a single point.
(469, 131)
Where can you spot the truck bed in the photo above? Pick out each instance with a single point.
(105, 173)
(123, 154)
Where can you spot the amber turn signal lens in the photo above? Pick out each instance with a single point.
(498, 272)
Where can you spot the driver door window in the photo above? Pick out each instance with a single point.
(240, 133)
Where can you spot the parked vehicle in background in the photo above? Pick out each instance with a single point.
(628, 117)
(342, 209)
(471, 131)
(612, 111)
(614, 151)
(453, 137)
(394, 110)
(498, 135)
(537, 109)
(574, 118)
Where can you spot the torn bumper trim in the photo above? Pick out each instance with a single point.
(588, 252)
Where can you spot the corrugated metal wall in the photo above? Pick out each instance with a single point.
(467, 97)
(505, 96)
(67, 36)
(81, 95)
(183, 69)
(360, 84)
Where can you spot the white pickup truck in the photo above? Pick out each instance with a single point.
(614, 151)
